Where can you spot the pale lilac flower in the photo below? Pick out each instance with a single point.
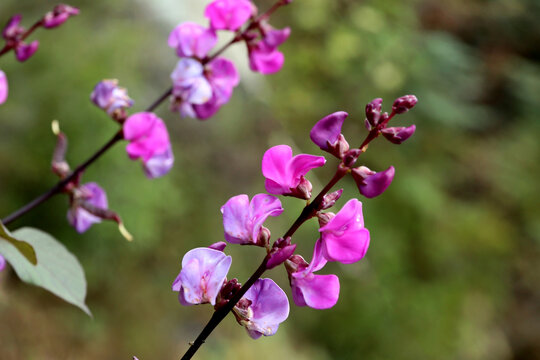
(190, 86)
(371, 183)
(397, 135)
(108, 96)
(92, 194)
(229, 14)
(203, 272)
(192, 40)
(243, 220)
(404, 104)
(223, 77)
(308, 289)
(24, 51)
(263, 307)
(3, 87)
(264, 56)
(149, 140)
(2, 262)
(344, 238)
(59, 15)
(285, 174)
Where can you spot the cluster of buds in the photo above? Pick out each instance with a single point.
(88, 203)
(203, 83)
(14, 34)
(342, 237)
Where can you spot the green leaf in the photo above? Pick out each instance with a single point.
(24, 248)
(57, 270)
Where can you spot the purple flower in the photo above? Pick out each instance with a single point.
(404, 104)
(190, 86)
(397, 135)
(243, 220)
(13, 30)
(263, 307)
(372, 184)
(327, 134)
(223, 77)
(3, 87)
(308, 289)
(24, 51)
(264, 56)
(203, 272)
(59, 15)
(149, 140)
(192, 40)
(344, 238)
(373, 113)
(2, 262)
(92, 194)
(229, 14)
(285, 174)
(108, 96)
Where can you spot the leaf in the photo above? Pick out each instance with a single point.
(57, 270)
(24, 248)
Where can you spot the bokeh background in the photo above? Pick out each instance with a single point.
(453, 270)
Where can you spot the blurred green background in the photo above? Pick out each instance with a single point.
(453, 270)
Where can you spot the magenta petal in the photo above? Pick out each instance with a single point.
(159, 164)
(138, 125)
(315, 291)
(13, 28)
(264, 59)
(223, 77)
(2, 262)
(328, 129)
(24, 51)
(269, 307)
(190, 39)
(280, 256)
(149, 139)
(81, 219)
(397, 135)
(228, 14)
(220, 245)
(202, 275)
(261, 207)
(373, 185)
(275, 37)
(302, 163)
(275, 168)
(3, 87)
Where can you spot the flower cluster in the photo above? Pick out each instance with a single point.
(342, 236)
(202, 83)
(15, 35)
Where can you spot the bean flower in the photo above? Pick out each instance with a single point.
(149, 141)
(113, 99)
(59, 15)
(192, 40)
(229, 14)
(264, 56)
(243, 220)
(79, 215)
(370, 183)
(263, 307)
(203, 272)
(285, 174)
(3, 87)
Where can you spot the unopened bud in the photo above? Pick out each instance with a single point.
(59, 15)
(373, 111)
(397, 135)
(24, 51)
(372, 184)
(404, 104)
(324, 218)
(303, 190)
(329, 200)
(219, 246)
(281, 251)
(350, 157)
(264, 237)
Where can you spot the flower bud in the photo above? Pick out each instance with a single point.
(327, 134)
(329, 200)
(264, 237)
(281, 251)
(373, 112)
(13, 29)
(324, 218)
(219, 246)
(59, 15)
(24, 51)
(372, 184)
(3, 87)
(397, 135)
(350, 157)
(108, 96)
(404, 104)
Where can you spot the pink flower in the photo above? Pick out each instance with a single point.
(190, 86)
(223, 78)
(192, 40)
(263, 307)
(59, 15)
(327, 134)
(3, 87)
(108, 96)
(285, 174)
(308, 289)
(263, 54)
(203, 272)
(92, 194)
(370, 183)
(24, 51)
(149, 140)
(344, 238)
(229, 14)
(243, 219)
